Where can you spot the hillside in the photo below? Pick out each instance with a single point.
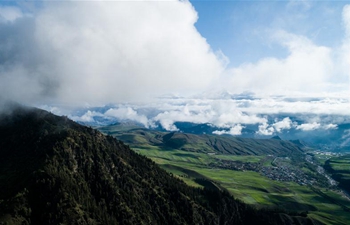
(54, 171)
(271, 173)
(136, 137)
(339, 168)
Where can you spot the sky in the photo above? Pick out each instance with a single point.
(141, 57)
(244, 30)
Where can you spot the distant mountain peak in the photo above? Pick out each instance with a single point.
(276, 137)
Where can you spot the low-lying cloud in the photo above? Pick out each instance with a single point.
(127, 114)
(230, 116)
(284, 124)
(235, 130)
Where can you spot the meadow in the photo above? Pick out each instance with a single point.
(339, 167)
(252, 187)
(234, 164)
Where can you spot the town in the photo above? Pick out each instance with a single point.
(299, 169)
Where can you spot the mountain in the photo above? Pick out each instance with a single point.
(276, 137)
(322, 131)
(336, 139)
(55, 171)
(204, 143)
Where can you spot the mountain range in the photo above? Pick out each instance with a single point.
(137, 136)
(55, 171)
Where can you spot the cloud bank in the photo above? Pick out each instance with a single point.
(93, 53)
(134, 51)
(82, 52)
(230, 116)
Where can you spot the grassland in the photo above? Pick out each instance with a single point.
(339, 167)
(196, 160)
(252, 187)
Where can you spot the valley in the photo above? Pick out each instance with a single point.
(55, 171)
(176, 112)
(339, 167)
(265, 173)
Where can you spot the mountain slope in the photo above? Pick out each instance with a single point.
(339, 168)
(54, 171)
(137, 137)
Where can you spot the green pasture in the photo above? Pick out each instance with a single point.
(252, 187)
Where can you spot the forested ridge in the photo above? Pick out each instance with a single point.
(55, 171)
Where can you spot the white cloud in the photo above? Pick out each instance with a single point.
(127, 114)
(286, 123)
(328, 104)
(87, 117)
(126, 51)
(330, 126)
(315, 125)
(306, 69)
(277, 127)
(129, 51)
(265, 129)
(308, 126)
(235, 130)
(314, 113)
(166, 122)
(9, 13)
(221, 113)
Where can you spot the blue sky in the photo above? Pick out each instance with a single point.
(243, 29)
